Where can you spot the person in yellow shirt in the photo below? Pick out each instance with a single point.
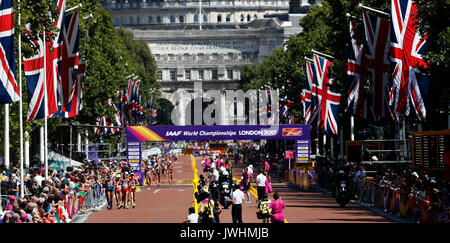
(3, 181)
(206, 210)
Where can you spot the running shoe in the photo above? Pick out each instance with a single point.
(248, 201)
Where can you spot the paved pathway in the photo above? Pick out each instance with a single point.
(170, 203)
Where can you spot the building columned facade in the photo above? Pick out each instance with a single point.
(208, 41)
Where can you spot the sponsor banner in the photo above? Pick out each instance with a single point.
(303, 151)
(289, 154)
(231, 132)
(134, 158)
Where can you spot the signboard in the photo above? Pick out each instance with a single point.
(203, 46)
(206, 133)
(138, 134)
(218, 146)
(302, 151)
(289, 154)
(134, 158)
(428, 149)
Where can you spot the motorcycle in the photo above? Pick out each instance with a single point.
(225, 190)
(342, 191)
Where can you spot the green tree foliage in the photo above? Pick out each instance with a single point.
(326, 29)
(434, 20)
(111, 56)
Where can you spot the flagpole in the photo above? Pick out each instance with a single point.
(20, 111)
(71, 9)
(45, 109)
(373, 10)
(352, 128)
(308, 59)
(321, 54)
(6, 142)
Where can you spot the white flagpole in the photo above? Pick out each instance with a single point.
(45, 109)
(6, 142)
(352, 128)
(20, 111)
(321, 54)
(27, 151)
(374, 10)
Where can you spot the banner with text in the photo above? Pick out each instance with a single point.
(225, 132)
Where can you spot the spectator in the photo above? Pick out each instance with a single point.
(11, 187)
(4, 181)
(264, 210)
(246, 184)
(261, 185)
(236, 210)
(192, 217)
(206, 210)
(277, 207)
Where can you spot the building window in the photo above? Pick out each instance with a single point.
(172, 75)
(201, 74)
(150, 19)
(196, 18)
(181, 19)
(172, 19)
(186, 57)
(230, 74)
(219, 18)
(248, 18)
(228, 18)
(242, 18)
(187, 74)
(138, 20)
(158, 19)
(214, 74)
(159, 73)
(205, 18)
(131, 20)
(255, 16)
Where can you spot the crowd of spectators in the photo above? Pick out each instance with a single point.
(414, 194)
(48, 200)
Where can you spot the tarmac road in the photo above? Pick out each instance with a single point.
(170, 203)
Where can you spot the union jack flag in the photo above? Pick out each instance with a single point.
(407, 48)
(103, 121)
(377, 52)
(9, 92)
(40, 106)
(117, 121)
(284, 111)
(152, 110)
(356, 73)
(75, 105)
(309, 102)
(327, 100)
(70, 60)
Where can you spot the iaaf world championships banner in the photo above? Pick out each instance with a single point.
(138, 134)
(224, 132)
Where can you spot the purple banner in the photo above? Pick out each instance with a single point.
(303, 151)
(134, 154)
(205, 133)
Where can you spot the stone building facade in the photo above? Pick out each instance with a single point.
(211, 43)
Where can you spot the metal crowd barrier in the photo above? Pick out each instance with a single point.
(368, 193)
(4, 199)
(77, 205)
(409, 208)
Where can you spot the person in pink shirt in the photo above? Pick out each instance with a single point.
(277, 206)
(266, 166)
